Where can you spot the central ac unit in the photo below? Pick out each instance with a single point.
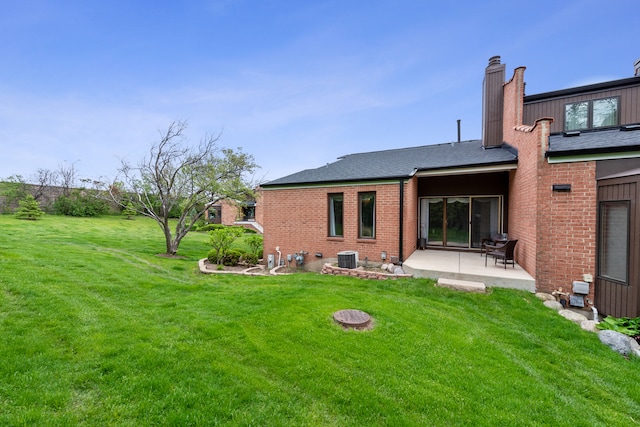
(348, 259)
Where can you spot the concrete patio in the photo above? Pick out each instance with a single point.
(467, 266)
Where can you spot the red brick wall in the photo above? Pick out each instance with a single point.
(410, 237)
(567, 240)
(259, 207)
(523, 182)
(297, 220)
(230, 212)
(555, 230)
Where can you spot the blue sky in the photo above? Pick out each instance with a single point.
(294, 83)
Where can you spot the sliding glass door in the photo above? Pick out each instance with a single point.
(485, 219)
(459, 222)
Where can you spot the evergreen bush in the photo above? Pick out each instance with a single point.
(29, 208)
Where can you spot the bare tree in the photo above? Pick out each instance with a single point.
(67, 175)
(43, 180)
(183, 180)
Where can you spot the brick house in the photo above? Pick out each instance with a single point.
(248, 214)
(559, 171)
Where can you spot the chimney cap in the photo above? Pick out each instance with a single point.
(636, 67)
(494, 60)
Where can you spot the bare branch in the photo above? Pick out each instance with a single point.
(181, 181)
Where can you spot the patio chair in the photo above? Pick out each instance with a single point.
(490, 241)
(502, 251)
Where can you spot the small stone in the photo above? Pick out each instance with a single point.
(384, 267)
(555, 305)
(390, 268)
(589, 325)
(573, 316)
(398, 270)
(545, 297)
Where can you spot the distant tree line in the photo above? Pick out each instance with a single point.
(57, 192)
(175, 185)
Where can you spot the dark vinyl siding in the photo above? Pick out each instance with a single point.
(611, 297)
(628, 109)
(493, 106)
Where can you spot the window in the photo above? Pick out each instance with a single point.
(214, 214)
(591, 114)
(576, 116)
(367, 215)
(335, 215)
(613, 248)
(249, 212)
(605, 112)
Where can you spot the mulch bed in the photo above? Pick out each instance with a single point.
(220, 267)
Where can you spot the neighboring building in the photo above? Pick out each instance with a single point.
(558, 171)
(248, 214)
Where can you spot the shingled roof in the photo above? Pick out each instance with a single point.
(625, 138)
(400, 163)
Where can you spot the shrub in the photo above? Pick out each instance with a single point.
(129, 211)
(212, 256)
(199, 223)
(232, 257)
(255, 243)
(250, 259)
(29, 209)
(210, 227)
(221, 240)
(81, 204)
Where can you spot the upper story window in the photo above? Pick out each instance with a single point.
(367, 215)
(591, 114)
(336, 202)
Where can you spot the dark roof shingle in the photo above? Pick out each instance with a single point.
(399, 163)
(600, 141)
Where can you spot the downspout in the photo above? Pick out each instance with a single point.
(401, 222)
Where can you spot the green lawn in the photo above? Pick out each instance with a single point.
(97, 330)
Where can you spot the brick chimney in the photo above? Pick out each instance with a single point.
(492, 103)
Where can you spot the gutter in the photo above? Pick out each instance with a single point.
(335, 183)
(597, 87)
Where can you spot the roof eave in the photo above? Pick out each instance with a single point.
(588, 151)
(630, 81)
(338, 182)
(502, 166)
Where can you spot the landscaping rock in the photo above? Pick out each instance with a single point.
(589, 325)
(618, 342)
(573, 316)
(635, 347)
(545, 297)
(398, 270)
(555, 305)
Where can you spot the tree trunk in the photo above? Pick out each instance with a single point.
(172, 247)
